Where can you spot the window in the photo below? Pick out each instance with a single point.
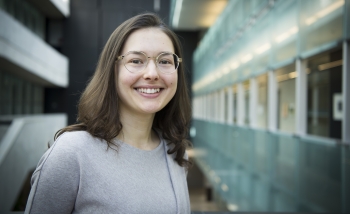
(286, 98)
(324, 95)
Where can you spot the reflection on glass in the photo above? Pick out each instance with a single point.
(286, 98)
(324, 95)
(322, 22)
(284, 30)
(262, 113)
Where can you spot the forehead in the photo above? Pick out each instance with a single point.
(148, 40)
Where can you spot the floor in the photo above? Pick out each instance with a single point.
(199, 202)
(197, 191)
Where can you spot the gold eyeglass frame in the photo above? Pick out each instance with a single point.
(179, 60)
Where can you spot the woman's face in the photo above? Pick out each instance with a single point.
(150, 90)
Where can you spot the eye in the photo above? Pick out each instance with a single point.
(135, 61)
(165, 62)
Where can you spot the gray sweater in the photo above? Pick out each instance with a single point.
(79, 175)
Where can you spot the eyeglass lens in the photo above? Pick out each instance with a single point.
(137, 61)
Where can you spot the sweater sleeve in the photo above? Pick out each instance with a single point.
(55, 181)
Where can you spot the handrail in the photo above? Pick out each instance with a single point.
(10, 137)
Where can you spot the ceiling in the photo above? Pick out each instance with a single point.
(196, 14)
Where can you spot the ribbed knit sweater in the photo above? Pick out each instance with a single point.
(78, 174)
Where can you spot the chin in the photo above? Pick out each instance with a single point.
(152, 110)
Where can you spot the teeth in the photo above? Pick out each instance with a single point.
(148, 90)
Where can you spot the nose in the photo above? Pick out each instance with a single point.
(151, 70)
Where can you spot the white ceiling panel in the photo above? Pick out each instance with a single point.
(199, 14)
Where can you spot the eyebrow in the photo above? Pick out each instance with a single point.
(148, 54)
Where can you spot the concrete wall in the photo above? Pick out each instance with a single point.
(24, 53)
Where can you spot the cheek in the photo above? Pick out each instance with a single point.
(125, 79)
(173, 83)
(123, 83)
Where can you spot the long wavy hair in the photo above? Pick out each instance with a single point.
(98, 108)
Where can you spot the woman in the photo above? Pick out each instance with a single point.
(126, 154)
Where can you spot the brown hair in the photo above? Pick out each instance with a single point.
(98, 108)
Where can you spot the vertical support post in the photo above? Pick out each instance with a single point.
(200, 106)
(209, 102)
(272, 101)
(217, 106)
(222, 106)
(346, 93)
(194, 107)
(206, 103)
(240, 104)
(212, 107)
(230, 106)
(301, 97)
(253, 87)
(346, 111)
(203, 107)
(202, 103)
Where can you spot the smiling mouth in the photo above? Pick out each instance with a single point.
(148, 90)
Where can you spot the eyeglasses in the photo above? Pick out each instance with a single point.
(137, 61)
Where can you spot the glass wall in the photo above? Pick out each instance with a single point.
(288, 156)
(320, 22)
(18, 96)
(260, 171)
(287, 30)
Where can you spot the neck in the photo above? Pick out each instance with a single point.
(137, 130)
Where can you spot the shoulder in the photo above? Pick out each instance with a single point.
(75, 139)
(75, 136)
(68, 147)
(70, 142)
